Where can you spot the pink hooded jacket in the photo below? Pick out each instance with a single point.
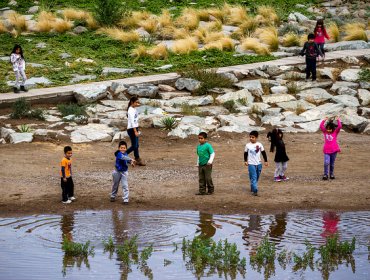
(320, 35)
(330, 144)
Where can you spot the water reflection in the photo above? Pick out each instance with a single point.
(330, 223)
(207, 227)
(278, 227)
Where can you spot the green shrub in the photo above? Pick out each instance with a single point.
(190, 110)
(36, 114)
(108, 12)
(22, 109)
(230, 105)
(71, 109)
(364, 75)
(209, 79)
(169, 123)
(77, 249)
(23, 128)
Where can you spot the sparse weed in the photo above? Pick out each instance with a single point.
(292, 87)
(230, 105)
(364, 75)
(145, 254)
(75, 249)
(23, 128)
(189, 110)
(300, 109)
(243, 101)
(169, 123)
(72, 109)
(108, 245)
(22, 109)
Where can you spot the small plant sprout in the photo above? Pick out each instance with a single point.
(75, 249)
(145, 254)
(24, 128)
(169, 123)
(108, 245)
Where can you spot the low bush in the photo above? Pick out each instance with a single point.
(108, 12)
(364, 75)
(230, 105)
(71, 109)
(169, 123)
(22, 109)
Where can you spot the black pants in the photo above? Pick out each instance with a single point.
(311, 68)
(67, 188)
(321, 47)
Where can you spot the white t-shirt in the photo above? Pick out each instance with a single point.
(254, 152)
(133, 118)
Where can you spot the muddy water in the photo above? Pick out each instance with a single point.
(30, 247)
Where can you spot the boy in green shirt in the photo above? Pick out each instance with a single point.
(206, 155)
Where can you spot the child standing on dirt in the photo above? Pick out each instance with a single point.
(206, 156)
(252, 159)
(120, 172)
(281, 158)
(19, 66)
(312, 51)
(331, 147)
(320, 35)
(66, 176)
(133, 129)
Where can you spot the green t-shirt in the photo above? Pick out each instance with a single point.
(204, 151)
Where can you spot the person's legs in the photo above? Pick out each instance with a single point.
(134, 143)
(208, 177)
(202, 179)
(252, 170)
(63, 185)
(333, 156)
(308, 68)
(313, 69)
(71, 187)
(277, 170)
(326, 164)
(284, 166)
(259, 170)
(321, 46)
(24, 78)
(125, 190)
(116, 179)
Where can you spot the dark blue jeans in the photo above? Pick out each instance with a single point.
(254, 174)
(134, 142)
(329, 161)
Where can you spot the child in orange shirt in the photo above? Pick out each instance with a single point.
(66, 176)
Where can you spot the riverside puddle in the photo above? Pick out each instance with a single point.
(31, 246)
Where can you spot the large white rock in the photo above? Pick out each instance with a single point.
(254, 86)
(307, 85)
(346, 91)
(347, 45)
(107, 70)
(312, 126)
(90, 94)
(116, 104)
(184, 130)
(187, 83)
(277, 98)
(193, 125)
(293, 105)
(315, 95)
(350, 75)
(340, 84)
(354, 122)
(16, 138)
(192, 101)
(300, 17)
(350, 60)
(143, 90)
(328, 109)
(169, 95)
(327, 72)
(346, 100)
(92, 110)
(240, 94)
(92, 132)
(238, 124)
(213, 110)
(364, 96)
(279, 90)
(6, 132)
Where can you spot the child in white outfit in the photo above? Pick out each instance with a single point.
(19, 66)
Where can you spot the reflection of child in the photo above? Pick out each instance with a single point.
(331, 147)
(281, 158)
(330, 220)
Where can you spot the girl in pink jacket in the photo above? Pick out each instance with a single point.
(320, 35)
(331, 147)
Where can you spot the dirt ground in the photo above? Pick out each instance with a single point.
(30, 184)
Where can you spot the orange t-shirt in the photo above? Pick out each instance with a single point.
(67, 164)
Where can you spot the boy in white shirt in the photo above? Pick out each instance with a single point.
(252, 159)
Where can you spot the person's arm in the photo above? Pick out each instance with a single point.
(211, 158)
(303, 51)
(246, 156)
(130, 117)
(264, 155)
(63, 172)
(326, 34)
(123, 157)
(322, 125)
(14, 58)
(337, 130)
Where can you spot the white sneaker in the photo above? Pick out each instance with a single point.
(72, 198)
(66, 202)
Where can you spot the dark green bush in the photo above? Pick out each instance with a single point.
(71, 109)
(364, 75)
(22, 109)
(108, 12)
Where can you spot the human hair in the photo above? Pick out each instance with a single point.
(274, 137)
(122, 143)
(319, 22)
(311, 36)
(330, 125)
(20, 50)
(254, 133)
(67, 149)
(132, 101)
(203, 134)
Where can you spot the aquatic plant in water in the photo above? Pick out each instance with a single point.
(75, 249)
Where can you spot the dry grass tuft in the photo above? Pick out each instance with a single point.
(165, 19)
(134, 19)
(214, 25)
(355, 31)
(248, 26)
(334, 32)
(149, 24)
(290, 40)
(238, 15)
(120, 35)
(3, 29)
(302, 39)
(213, 36)
(158, 52)
(189, 19)
(45, 21)
(139, 52)
(253, 44)
(17, 21)
(219, 13)
(222, 44)
(73, 14)
(181, 33)
(166, 33)
(269, 36)
(203, 15)
(62, 25)
(267, 15)
(186, 45)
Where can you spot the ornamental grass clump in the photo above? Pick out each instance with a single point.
(333, 32)
(17, 21)
(291, 40)
(188, 19)
(267, 15)
(355, 31)
(184, 46)
(169, 123)
(120, 35)
(254, 45)
(269, 36)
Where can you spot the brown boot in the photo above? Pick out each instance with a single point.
(140, 162)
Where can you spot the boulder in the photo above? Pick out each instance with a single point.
(184, 130)
(254, 86)
(328, 109)
(116, 104)
(347, 45)
(296, 119)
(2, 141)
(277, 98)
(33, 82)
(187, 83)
(92, 132)
(118, 87)
(294, 104)
(364, 96)
(365, 112)
(354, 122)
(346, 91)
(229, 76)
(312, 126)
(166, 88)
(33, 10)
(307, 85)
(78, 78)
(90, 93)
(170, 95)
(272, 112)
(243, 94)
(350, 75)
(16, 138)
(80, 29)
(193, 125)
(315, 95)
(259, 107)
(192, 101)
(164, 67)
(367, 129)
(143, 90)
(238, 124)
(340, 84)
(327, 72)
(213, 110)
(64, 55)
(108, 70)
(346, 100)
(279, 90)
(272, 70)
(365, 85)
(300, 17)
(350, 60)
(6, 132)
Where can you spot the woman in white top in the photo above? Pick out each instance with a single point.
(133, 129)
(19, 65)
